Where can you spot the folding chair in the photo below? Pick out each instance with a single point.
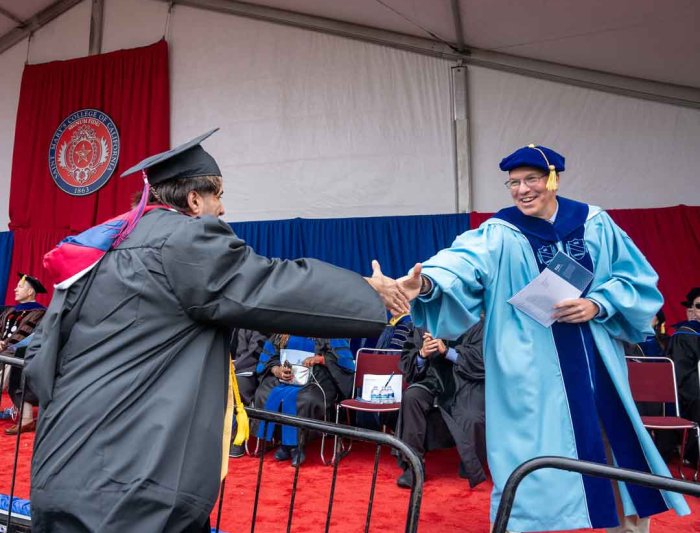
(653, 379)
(367, 361)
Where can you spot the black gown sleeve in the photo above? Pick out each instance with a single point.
(220, 280)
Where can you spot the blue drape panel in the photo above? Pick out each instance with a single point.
(396, 242)
(6, 241)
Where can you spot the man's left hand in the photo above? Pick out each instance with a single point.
(575, 311)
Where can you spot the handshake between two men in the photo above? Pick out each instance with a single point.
(396, 294)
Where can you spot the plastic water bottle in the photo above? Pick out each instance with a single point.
(384, 395)
(374, 395)
(390, 397)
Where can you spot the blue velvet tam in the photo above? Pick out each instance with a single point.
(533, 156)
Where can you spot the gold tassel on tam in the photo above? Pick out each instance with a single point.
(552, 179)
(233, 403)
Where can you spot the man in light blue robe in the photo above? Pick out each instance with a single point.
(560, 390)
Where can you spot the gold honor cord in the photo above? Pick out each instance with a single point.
(233, 402)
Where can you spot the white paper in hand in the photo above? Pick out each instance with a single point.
(563, 279)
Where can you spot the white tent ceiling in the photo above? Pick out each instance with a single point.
(647, 39)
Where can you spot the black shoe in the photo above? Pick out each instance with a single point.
(236, 451)
(283, 453)
(405, 480)
(298, 457)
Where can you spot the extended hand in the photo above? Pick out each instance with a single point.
(575, 311)
(388, 290)
(411, 283)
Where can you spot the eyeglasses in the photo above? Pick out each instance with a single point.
(696, 306)
(530, 181)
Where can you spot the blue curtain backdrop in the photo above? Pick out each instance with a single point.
(396, 242)
(6, 240)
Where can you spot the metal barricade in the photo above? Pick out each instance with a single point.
(588, 468)
(348, 432)
(18, 522)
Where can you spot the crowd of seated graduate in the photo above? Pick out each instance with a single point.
(443, 405)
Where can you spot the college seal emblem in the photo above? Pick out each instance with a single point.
(84, 152)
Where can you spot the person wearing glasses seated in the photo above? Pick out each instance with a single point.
(301, 376)
(684, 349)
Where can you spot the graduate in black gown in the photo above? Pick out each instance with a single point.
(131, 362)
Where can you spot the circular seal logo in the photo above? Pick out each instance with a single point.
(84, 152)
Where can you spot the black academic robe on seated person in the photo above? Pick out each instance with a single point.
(458, 392)
(133, 393)
(684, 349)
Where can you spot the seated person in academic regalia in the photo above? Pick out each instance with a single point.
(654, 345)
(396, 332)
(444, 403)
(331, 370)
(246, 347)
(684, 349)
(16, 324)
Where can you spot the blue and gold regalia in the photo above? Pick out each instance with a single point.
(553, 390)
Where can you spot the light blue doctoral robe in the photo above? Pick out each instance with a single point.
(528, 409)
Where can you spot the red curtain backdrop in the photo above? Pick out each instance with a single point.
(132, 87)
(669, 237)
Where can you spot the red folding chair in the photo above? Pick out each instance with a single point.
(367, 361)
(653, 379)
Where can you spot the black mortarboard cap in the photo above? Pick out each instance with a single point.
(691, 296)
(35, 283)
(188, 160)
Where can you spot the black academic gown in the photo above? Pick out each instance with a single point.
(133, 393)
(459, 393)
(246, 347)
(684, 349)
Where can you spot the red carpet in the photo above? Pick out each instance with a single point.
(448, 503)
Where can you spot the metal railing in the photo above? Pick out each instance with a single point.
(414, 463)
(584, 467)
(348, 432)
(17, 363)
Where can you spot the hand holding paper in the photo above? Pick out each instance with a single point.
(555, 294)
(575, 311)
